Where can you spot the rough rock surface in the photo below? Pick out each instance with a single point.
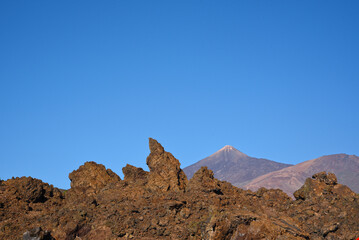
(161, 204)
(326, 209)
(37, 234)
(27, 203)
(165, 172)
(203, 180)
(134, 175)
(91, 177)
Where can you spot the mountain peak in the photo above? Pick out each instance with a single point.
(229, 148)
(229, 164)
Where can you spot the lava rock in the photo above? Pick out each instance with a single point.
(134, 175)
(91, 177)
(165, 172)
(160, 204)
(203, 180)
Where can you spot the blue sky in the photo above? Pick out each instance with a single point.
(92, 80)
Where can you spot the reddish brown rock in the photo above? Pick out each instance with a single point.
(25, 205)
(91, 177)
(30, 190)
(326, 209)
(161, 205)
(320, 183)
(203, 180)
(329, 179)
(134, 175)
(165, 172)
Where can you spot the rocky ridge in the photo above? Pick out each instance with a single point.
(163, 204)
(345, 167)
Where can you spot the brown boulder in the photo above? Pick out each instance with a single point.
(328, 179)
(327, 210)
(24, 202)
(134, 175)
(29, 190)
(320, 183)
(91, 177)
(165, 172)
(203, 180)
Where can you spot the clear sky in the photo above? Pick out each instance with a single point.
(92, 80)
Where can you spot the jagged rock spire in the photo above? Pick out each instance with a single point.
(165, 172)
(155, 147)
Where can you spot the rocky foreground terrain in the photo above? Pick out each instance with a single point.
(163, 204)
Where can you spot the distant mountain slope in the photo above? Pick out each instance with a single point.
(345, 167)
(229, 164)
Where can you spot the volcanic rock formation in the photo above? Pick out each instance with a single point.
(91, 177)
(165, 171)
(162, 204)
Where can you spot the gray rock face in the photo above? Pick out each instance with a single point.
(37, 234)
